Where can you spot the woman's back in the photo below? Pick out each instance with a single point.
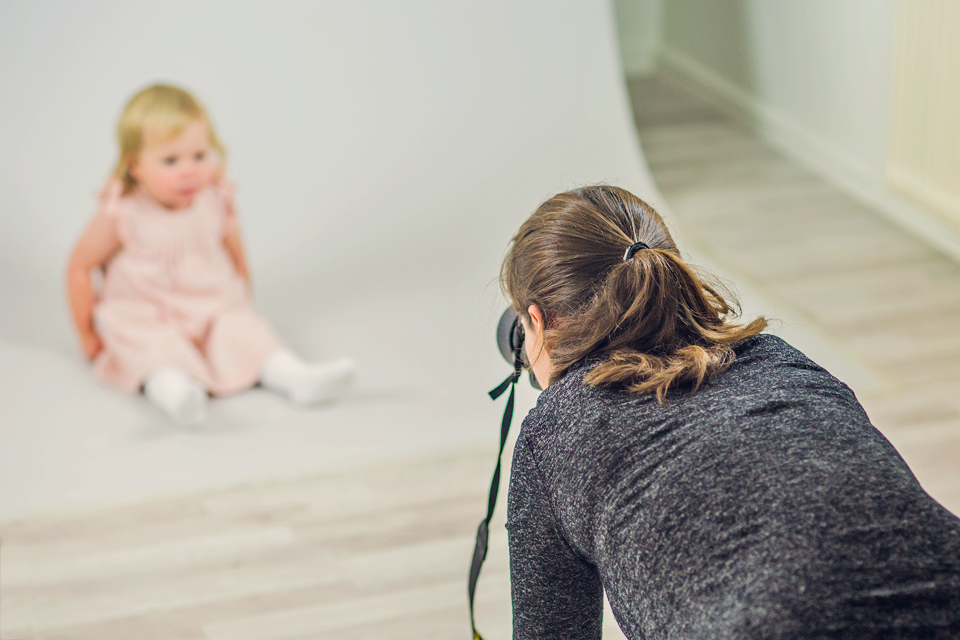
(762, 505)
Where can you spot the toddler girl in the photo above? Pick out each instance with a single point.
(174, 317)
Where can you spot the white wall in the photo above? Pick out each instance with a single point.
(372, 142)
(815, 77)
(827, 65)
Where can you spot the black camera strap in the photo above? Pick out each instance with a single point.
(480, 550)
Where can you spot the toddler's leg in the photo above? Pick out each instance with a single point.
(306, 383)
(138, 341)
(238, 344)
(180, 397)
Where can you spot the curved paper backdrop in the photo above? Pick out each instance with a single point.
(384, 153)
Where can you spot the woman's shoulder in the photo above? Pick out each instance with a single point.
(572, 401)
(763, 365)
(766, 346)
(773, 358)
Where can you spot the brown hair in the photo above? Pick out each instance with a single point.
(654, 321)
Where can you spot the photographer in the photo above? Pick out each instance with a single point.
(713, 480)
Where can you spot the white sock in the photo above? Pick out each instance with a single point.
(180, 397)
(306, 383)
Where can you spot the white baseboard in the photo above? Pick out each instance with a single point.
(813, 151)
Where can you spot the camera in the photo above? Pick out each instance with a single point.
(510, 341)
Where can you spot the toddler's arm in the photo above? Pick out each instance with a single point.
(97, 244)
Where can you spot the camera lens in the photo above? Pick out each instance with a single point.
(510, 341)
(510, 336)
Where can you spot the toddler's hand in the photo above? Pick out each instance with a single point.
(92, 344)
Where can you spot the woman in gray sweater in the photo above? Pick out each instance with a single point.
(713, 480)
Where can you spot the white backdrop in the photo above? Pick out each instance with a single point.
(384, 153)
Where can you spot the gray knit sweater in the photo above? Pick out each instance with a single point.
(764, 505)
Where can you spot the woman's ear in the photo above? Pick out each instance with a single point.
(536, 320)
(538, 353)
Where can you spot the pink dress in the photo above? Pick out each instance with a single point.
(172, 297)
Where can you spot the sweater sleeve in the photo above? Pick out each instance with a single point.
(556, 592)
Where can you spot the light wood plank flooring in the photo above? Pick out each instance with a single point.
(375, 553)
(887, 298)
(383, 553)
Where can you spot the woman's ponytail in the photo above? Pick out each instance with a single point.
(650, 319)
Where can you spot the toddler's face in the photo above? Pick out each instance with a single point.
(174, 171)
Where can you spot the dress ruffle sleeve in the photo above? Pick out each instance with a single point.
(227, 189)
(111, 207)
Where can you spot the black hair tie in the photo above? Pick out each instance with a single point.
(633, 249)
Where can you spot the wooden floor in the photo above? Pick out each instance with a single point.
(380, 553)
(886, 298)
(383, 553)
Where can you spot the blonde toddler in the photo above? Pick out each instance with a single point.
(174, 316)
